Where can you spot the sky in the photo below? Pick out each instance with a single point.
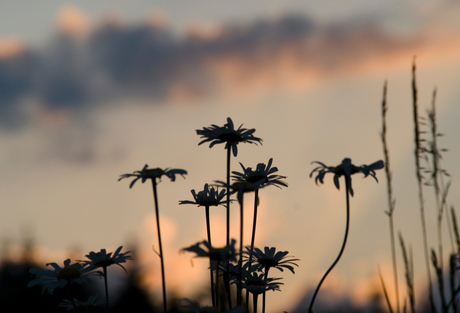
(91, 90)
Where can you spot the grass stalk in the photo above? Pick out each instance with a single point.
(417, 151)
(391, 202)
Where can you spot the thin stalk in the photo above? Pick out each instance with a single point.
(391, 202)
(254, 222)
(106, 289)
(419, 183)
(227, 272)
(254, 302)
(69, 290)
(267, 268)
(347, 191)
(240, 262)
(160, 254)
(217, 284)
(208, 231)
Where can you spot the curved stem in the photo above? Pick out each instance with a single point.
(208, 231)
(254, 222)
(347, 191)
(157, 213)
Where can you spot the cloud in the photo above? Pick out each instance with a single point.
(146, 61)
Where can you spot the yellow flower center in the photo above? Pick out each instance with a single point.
(68, 273)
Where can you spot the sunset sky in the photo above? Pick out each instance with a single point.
(90, 90)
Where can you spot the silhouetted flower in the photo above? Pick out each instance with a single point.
(256, 283)
(221, 255)
(346, 168)
(240, 187)
(228, 135)
(93, 302)
(271, 259)
(206, 197)
(152, 173)
(262, 173)
(60, 276)
(102, 259)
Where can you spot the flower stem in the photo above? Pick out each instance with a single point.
(69, 290)
(267, 268)
(157, 213)
(208, 230)
(240, 263)
(106, 290)
(254, 302)
(254, 222)
(347, 191)
(227, 272)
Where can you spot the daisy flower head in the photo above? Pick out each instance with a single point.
(206, 197)
(241, 187)
(228, 135)
(262, 173)
(346, 169)
(60, 276)
(203, 249)
(153, 173)
(104, 259)
(256, 283)
(93, 302)
(269, 258)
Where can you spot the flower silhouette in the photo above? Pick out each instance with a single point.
(262, 173)
(346, 168)
(206, 197)
(60, 276)
(152, 173)
(228, 135)
(104, 259)
(92, 303)
(221, 255)
(269, 258)
(241, 187)
(256, 283)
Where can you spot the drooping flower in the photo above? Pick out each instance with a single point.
(60, 276)
(269, 258)
(222, 255)
(262, 173)
(346, 168)
(228, 135)
(93, 302)
(153, 173)
(104, 259)
(206, 197)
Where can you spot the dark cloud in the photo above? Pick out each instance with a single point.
(145, 61)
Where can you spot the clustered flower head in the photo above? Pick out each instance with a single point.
(104, 259)
(59, 276)
(262, 173)
(228, 135)
(153, 173)
(346, 169)
(206, 197)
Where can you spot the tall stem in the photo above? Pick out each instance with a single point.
(240, 262)
(106, 290)
(420, 183)
(69, 290)
(347, 191)
(208, 231)
(157, 213)
(254, 222)
(267, 268)
(227, 272)
(391, 202)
